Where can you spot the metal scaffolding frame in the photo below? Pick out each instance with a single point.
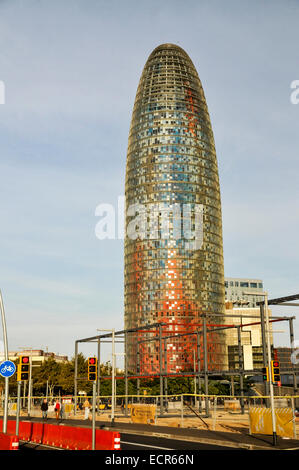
(285, 302)
(199, 374)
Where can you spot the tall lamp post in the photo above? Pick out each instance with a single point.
(265, 295)
(113, 371)
(5, 410)
(117, 354)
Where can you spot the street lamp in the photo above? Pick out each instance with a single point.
(265, 295)
(117, 354)
(113, 370)
(194, 369)
(5, 410)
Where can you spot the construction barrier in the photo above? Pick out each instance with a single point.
(231, 405)
(68, 408)
(65, 437)
(25, 430)
(37, 432)
(8, 442)
(260, 421)
(76, 438)
(143, 413)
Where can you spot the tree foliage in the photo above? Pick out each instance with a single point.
(60, 378)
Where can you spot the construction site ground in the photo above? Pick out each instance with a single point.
(230, 428)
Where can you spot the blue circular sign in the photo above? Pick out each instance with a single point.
(7, 368)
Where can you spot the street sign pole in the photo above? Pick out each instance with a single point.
(274, 435)
(29, 387)
(94, 388)
(18, 408)
(5, 410)
(268, 345)
(113, 378)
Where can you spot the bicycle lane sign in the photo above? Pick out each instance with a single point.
(7, 368)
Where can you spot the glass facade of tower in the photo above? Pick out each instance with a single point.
(171, 162)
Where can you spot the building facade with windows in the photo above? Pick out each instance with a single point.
(251, 336)
(38, 356)
(289, 364)
(172, 167)
(235, 288)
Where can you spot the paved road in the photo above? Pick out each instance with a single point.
(136, 438)
(134, 442)
(148, 443)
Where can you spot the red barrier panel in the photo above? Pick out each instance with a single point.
(8, 442)
(25, 430)
(46, 434)
(116, 440)
(107, 440)
(75, 438)
(37, 432)
(84, 436)
(11, 427)
(52, 435)
(66, 437)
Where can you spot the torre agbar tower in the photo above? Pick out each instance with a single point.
(171, 162)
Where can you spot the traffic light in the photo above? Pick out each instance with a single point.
(275, 371)
(92, 368)
(266, 374)
(23, 368)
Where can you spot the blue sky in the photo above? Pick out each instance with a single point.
(71, 70)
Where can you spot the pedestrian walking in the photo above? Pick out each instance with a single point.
(44, 407)
(86, 406)
(57, 409)
(62, 410)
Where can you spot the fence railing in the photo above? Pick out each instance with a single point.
(199, 410)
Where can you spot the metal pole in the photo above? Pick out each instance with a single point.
(269, 365)
(205, 361)
(112, 378)
(29, 386)
(126, 375)
(94, 393)
(294, 418)
(198, 368)
(241, 369)
(165, 378)
(18, 408)
(24, 396)
(138, 372)
(194, 378)
(215, 414)
(76, 377)
(99, 373)
(264, 345)
(291, 327)
(6, 393)
(161, 370)
(47, 390)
